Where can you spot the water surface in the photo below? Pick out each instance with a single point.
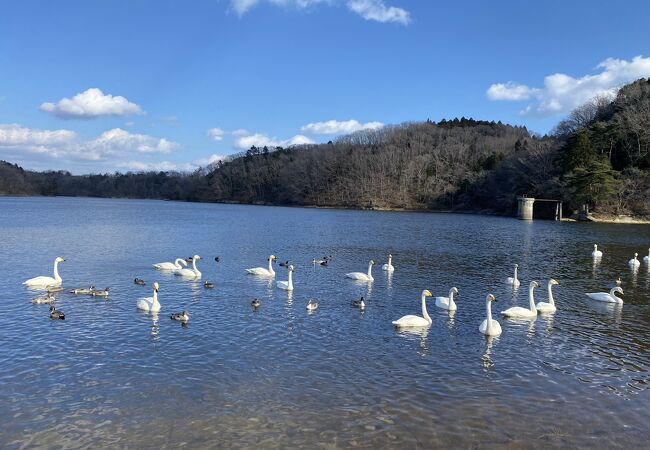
(110, 376)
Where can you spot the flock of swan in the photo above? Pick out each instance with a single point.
(489, 326)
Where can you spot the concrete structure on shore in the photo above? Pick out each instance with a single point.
(525, 207)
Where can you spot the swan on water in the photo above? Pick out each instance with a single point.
(514, 281)
(517, 312)
(608, 297)
(489, 326)
(360, 276)
(596, 253)
(416, 321)
(548, 307)
(286, 285)
(56, 314)
(170, 267)
(150, 304)
(181, 316)
(312, 305)
(389, 266)
(359, 304)
(48, 298)
(447, 302)
(261, 271)
(646, 259)
(47, 281)
(83, 291)
(634, 263)
(190, 273)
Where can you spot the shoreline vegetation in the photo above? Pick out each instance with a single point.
(596, 161)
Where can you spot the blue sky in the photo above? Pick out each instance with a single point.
(103, 85)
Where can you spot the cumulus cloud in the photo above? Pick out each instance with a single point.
(65, 144)
(339, 127)
(378, 11)
(375, 10)
(216, 134)
(562, 93)
(168, 166)
(91, 104)
(261, 140)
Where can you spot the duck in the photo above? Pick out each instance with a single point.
(286, 285)
(360, 276)
(181, 316)
(217, 259)
(170, 267)
(447, 302)
(596, 253)
(263, 272)
(285, 263)
(47, 298)
(548, 307)
(389, 265)
(359, 304)
(83, 291)
(619, 281)
(321, 262)
(607, 297)
(489, 326)
(56, 314)
(47, 281)
(150, 304)
(646, 259)
(190, 273)
(208, 284)
(312, 305)
(416, 321)
(53, 289)
(256, 303)
(634, 263)
(513, 281)
(101, 292)
(139, 281)
(517, 312)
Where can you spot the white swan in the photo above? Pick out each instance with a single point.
(389, 266)
(646, 259)
(608, 297)
(549, 307)
(447, 302)
(489, 326)
(47, 281)
(150, 304)
(362, 276)
(286, 285)
(261, 271)
(518, 312)
(514, 281)
(596, 253)
(416, 321)
(634, 263)
(170, 267)
(190, 273)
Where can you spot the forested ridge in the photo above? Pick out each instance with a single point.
(598, 158)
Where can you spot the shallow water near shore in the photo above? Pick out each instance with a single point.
(280, 377)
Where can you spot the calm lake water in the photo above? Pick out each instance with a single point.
(110, 376)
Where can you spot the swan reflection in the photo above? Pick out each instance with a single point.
(486, 358)
(416, 333)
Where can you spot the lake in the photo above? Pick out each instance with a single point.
(110, 376)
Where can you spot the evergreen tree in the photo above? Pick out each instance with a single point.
(594, 182)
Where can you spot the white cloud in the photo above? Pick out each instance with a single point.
(562, 93)
(339, 127)
(368, 9)
(214, 158)
(118, 140)
(376, 10)
(261, 140)
(240, 132)
(216, 134)
(168, 166)
(90, 104)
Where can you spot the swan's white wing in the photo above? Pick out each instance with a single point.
(411, 321)
(442, 302)
(545, 307)
(259, 271)
(145, 303)
(282, 284)
(41, 281)
(165, 266)
(601, 297)
(518, 311)
(357, 275)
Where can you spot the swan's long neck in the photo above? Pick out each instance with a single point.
(57, 277)
(595, 247)
(196, 271)
(177, 263)
(425, 314)
(370, 270)
(290, 283)
(390, 261)
(451, 297)
(612, 292)
(488, 307)
(271, 266)
(531, 298)
(550, 293)
(155, 299)
(515, 272)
